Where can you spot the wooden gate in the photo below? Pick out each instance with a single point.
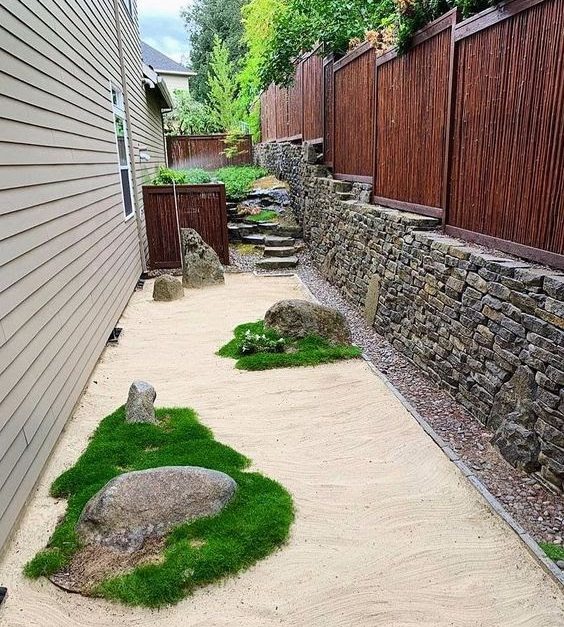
(199, 207)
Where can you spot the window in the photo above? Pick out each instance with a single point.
(120, 127)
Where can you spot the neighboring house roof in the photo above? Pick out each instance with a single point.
(161, 63)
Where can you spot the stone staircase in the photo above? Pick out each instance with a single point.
(279, 249)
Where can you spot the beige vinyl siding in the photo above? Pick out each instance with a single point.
(69, 261)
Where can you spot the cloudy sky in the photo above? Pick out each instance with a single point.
(162, 27)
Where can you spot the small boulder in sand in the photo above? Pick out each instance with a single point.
(200, 264)
(140, 403)
(297, 319)
(147, 504)
(167, 288)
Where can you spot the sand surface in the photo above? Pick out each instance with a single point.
(387, 532)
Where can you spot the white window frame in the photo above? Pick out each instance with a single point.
(118, 110)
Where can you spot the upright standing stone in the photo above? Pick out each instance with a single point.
(140, 403)
(200, 264)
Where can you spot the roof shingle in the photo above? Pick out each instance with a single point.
(160, 62)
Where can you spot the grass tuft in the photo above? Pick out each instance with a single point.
(254, 524)
(310, 351)
(554, 551)
(266, 215)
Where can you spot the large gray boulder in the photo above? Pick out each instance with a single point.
(513, 418)
(167, 288)
(147, 504)
(200, 264)
(297, 319)
(140, 403)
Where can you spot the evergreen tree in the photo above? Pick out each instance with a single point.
(222, 88)
(204, 20)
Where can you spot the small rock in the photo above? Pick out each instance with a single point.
(140, 403)
(299, 318)
(145, 504)
(560, 564)
(167, 288)
(200, 264)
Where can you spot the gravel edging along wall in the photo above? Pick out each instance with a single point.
(487, 328)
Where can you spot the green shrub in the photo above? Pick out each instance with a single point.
(193, 176)
(250, 343)
(238, 179)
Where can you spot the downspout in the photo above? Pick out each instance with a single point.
(130, 136)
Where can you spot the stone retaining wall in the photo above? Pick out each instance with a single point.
(487, 328)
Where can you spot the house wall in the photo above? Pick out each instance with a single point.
(173, 81)
(69, 260)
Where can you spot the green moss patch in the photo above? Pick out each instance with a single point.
(310, 351)
(253, 525)
(266, 215)
(554, 551)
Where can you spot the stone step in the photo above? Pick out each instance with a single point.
(277, 263)
(280, 251)
(278, 241)
(257, 240)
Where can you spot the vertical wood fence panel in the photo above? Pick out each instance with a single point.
(295, 106)
(312, 97)
(412, 107)
(200, 207)
(268, 114)
(328, 110)
(282, 122)
(507, 149)
(205, 151)
(353, 136)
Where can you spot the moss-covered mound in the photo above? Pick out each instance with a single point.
(257, 348)
(254, 523)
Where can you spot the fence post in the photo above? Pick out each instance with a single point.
(449, 121)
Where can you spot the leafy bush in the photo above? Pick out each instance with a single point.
(189, 117)
(251, 343)
(238, 179)
(194, 176)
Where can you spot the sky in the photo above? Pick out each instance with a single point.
(162, 27)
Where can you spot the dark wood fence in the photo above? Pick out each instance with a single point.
(507, 145)
(328, 109)
(168, 209)
(467, 126)
(206, 151)
(312, 94)
(353, 133)
(412, 111)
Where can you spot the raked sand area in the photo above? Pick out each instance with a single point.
(387, 530)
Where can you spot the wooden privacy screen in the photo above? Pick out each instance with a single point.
(295, 106)
(353, 135)
(268, 115)
(281, 109)
(507, 146)
(312, 97)
(200, 207)
(205, 151)
(412, 115)
(328, 110)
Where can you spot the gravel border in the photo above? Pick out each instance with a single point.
(519, 498)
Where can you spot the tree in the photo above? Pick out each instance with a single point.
(204, 20)
(222, 88)
(189, 117)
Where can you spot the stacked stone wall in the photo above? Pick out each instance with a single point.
(487, 328)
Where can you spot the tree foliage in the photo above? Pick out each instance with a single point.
(189, 117)
(224, 105)
(299, 24)
(205, 20)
